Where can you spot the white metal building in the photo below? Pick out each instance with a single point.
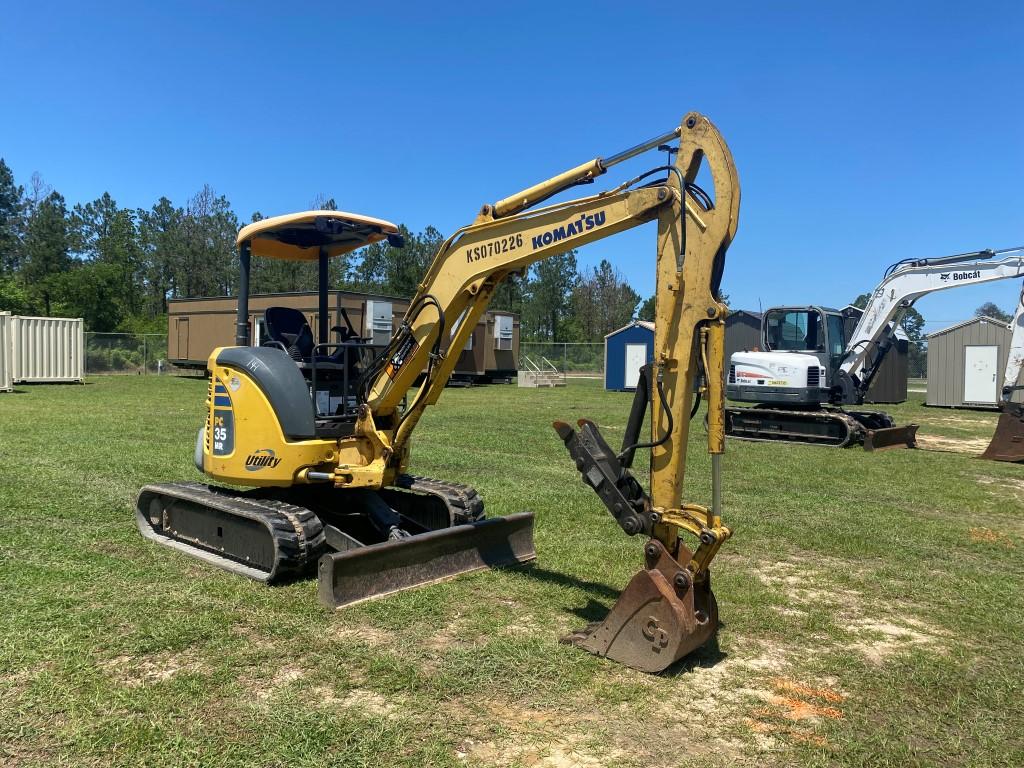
(46, 349)
(966, 363)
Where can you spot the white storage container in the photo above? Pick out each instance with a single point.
(378, 321)
(6, 372)
(48, 349)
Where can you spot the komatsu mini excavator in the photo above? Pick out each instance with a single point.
(809, 369)
(320, 432)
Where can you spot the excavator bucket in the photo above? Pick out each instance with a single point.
(363, 573)
(659, 618)
(891, 437)
(1008, 441)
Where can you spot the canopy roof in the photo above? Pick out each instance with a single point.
(300, 236)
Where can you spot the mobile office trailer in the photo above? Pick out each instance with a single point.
(47, 350)
(966, 362)
(197, 326)
(6, 358)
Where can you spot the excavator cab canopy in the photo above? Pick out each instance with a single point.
(306, 236)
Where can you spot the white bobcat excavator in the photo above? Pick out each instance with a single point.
(809, 368)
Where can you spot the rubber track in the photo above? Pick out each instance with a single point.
(463, 502)
(298, 532)
(855, 431)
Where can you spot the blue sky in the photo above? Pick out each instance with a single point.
(863, 132)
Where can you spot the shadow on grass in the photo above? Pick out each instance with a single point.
(565, 580)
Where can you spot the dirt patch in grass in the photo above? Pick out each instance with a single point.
(878, 639)
(968, 445)
(875, 632)
(362, 700)
(988, 536)
(365, 633)
(509, 733)
(976, 422)
(283, 677)
(138, 671)
(1010, 483)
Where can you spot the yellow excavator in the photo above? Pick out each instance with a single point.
(319, 431)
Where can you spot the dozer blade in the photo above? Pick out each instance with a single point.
(382, 569)
(1008, 441)
(660, 617)
(891, 437)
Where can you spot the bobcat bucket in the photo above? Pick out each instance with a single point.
(1008, 441)
(364, 573)
(659, 618)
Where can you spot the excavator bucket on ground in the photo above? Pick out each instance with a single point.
(660, 617)
(1008, 441)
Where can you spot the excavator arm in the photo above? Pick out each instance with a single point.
(904, 284)
(668, 609)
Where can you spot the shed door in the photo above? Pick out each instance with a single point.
(980, 373)
(183, 338)
(636, 358)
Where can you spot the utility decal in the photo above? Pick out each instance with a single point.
(585, 223)
(260, 458)
(407, 348)
(223, 422)
(501, 245)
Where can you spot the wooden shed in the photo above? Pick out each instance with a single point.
(742, 334)
(195, 327)
(966, 363)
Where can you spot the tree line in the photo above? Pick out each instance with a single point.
(117, 267)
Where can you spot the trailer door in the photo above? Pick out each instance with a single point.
(636, 358)
(980, 363)
(183, 338)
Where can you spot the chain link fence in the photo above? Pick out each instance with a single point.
(128, 353)
(573, 359)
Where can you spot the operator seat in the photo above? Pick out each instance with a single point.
(289, 328)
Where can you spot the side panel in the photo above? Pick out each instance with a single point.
(6, 374)
(981, 374)
(47, 349)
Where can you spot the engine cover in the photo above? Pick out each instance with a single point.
(776, 377)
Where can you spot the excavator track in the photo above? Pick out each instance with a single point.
(264, 539)
(434, 503)
(832, 427)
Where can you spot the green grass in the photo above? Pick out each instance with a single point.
(871, 607)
